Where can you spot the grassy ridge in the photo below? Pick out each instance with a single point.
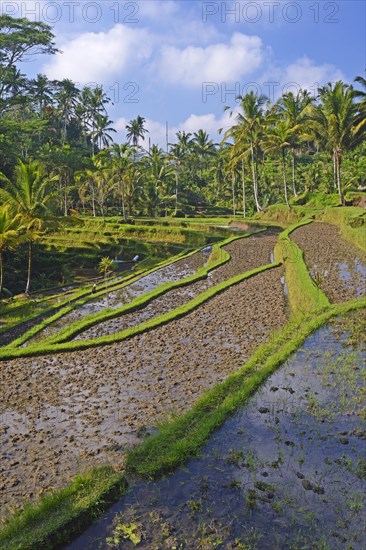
(304, 296)
(351, 221)
(63, 514)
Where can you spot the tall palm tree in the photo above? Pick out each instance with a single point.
(10, 234)
(67, 99)
(101, 134)
(121, 164)
(361, 105)
(203, 147)
(294, 110)
(136, 130)
(334, 124)
(158, 174)
(177, 156)
(29, 194)
(247, 133)
(41, 90)
(278, 138)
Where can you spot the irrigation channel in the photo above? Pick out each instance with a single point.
(276, 472)
(287, 471)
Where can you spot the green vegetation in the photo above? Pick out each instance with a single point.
(59, 165)
(63, 514)
(305, 296)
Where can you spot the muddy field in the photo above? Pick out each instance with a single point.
(335, 264)
(116, 298)
(246, 254)
(62, 413)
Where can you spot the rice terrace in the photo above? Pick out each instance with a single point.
(182, 321)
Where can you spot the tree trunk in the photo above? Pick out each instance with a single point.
(233, 191)
(335, 176)
(176, 191)
(29, 267)
(1, 273)
(123, 199)
(339, 184)
(293, 173)
(243, 184)
(255, 183)
(284, 178)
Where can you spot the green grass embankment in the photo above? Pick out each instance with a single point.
(352, 223)
(304, 295)
(63, 514)
(85, 295)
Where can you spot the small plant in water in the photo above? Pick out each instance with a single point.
(122, 532)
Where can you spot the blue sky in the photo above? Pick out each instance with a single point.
(183, 61)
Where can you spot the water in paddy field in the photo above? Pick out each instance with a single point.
(117, 298)
(285, 472)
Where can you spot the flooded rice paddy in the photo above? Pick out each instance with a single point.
(288, 471)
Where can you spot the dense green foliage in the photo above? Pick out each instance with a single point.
(56, 148)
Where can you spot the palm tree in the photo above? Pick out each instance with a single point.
(100, 134)
(136, 130)
(29, 194)
(121, 164)
(361, 106)
(334, 124)
(67, 100)
(203, 147)
(278, 138)
(158, 174)
(41, 90)
(294, 111)
(10, 234)
(106, 267)
(247, 133)
(177, 156)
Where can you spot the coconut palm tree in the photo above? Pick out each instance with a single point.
(177, 156)
(29, 194)
(361, 105)
(136, 130)
(334, 124)
(121, 165)
(101, 134)
(106, 268)
(247, 133)
(203, 147)
(294, 110)
(279, 138)
(10, 234)
(67, 98)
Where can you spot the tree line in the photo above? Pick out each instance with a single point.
(58, 156)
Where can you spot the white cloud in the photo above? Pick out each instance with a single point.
(303, 73)
(191, 66)
(94, 57)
